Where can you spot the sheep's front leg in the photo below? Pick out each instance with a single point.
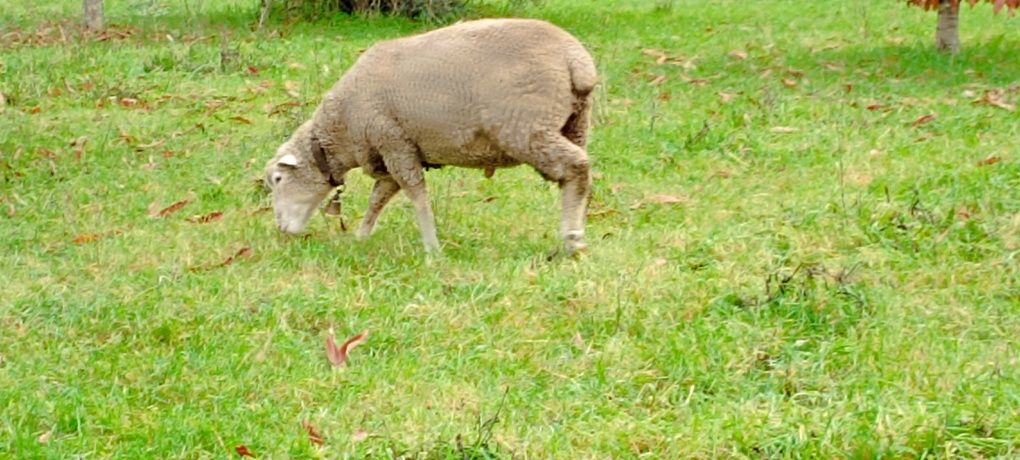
(405, 168)
(382, 192)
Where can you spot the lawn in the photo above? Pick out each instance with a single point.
(805, 238)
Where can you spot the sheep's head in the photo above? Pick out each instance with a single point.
(297, 184)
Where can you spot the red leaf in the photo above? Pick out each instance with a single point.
(989, 160)
(924, 119)
(875, 106)
(338, 355)
(313, 434)
(244, 451)
(205, 218)
(165, 212)
(253, 70)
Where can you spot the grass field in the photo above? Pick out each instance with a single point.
(805, 237)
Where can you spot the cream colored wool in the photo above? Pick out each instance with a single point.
(484, 94)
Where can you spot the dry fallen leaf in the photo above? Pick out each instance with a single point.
(86, 238)
(241, 119)
(726, 97)
(659, 199)
(738, 54)
(875, 106)
(924, 119)
(994, 99)
(155, 212)
(660, 56)
(297, 66)
(253, 70)
(789, 83)
(989, 160)
(45, 437)
(313, 435)
(338, 355)
(244, 451)
(205, 218)
(245, 251)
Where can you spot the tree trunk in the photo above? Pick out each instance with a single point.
(947, 35)
(93, 10)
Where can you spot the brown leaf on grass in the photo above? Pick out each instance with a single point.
(292, 89)
(737, 54)
(45, 437)
(241, 119)
(11, 210)
(78, 146)
(875, 106)
(245, 251)
(924, 119)
(989, 160)
(657, 80)
(244, 451)
(205, 218)
(272, 110)
(726, 97)
(660, 199)
(963, 213)
(35, 109)
(313, 435)
(86, 238)
(156, 212)
(659, 55)
(789, 83)
(834, 66)
(994, 99)
(338, 355)
(253, 70)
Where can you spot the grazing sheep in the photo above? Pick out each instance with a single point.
(485, 94)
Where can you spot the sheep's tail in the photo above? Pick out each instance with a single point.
(583, 78)
(583, 75)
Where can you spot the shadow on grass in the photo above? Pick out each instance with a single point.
(994, 61)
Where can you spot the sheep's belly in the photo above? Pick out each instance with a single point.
(476, 151)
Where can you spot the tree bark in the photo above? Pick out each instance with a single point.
(947, 35)
(93, 10)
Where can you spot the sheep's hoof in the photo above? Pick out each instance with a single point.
(573, 243)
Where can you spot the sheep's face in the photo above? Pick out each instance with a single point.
(298, 187)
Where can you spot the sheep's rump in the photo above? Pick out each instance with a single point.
(470, 93)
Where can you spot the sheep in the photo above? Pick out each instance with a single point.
(486, 94)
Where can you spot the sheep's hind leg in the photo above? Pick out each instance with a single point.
(405, 167)
(382, 192)
(564, 162)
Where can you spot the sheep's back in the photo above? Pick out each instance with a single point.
(474, 88)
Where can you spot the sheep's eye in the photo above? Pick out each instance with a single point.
(277, 177)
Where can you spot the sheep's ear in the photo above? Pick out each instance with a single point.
(288, 160)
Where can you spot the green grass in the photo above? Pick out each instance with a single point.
(846, 285)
